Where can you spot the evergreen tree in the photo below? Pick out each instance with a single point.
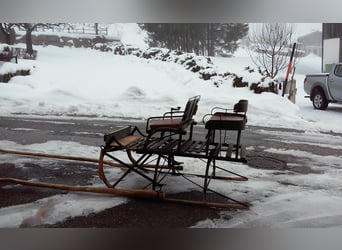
(201, 38)
(227, 40)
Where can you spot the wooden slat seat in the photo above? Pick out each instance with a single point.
(175, 119)
(226, 121)
(170, 123)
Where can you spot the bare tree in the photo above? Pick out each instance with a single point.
(29, 28)
(270, 47)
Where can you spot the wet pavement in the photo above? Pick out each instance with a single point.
(136, 212)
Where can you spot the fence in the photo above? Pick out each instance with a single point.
(87, 29)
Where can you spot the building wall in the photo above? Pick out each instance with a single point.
(332, 30)
(332, 45)
(331, 48)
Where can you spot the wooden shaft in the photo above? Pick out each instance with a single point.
(137, 193)
(65, 157)
(134, 193)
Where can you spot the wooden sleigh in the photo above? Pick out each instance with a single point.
(154, 155)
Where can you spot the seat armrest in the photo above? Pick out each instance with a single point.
(220, 108)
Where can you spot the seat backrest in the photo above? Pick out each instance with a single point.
(117, 134)
(241, 107)
(191, 108)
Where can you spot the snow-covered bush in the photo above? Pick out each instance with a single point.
(265, 83)
(239, 83)
(200, 65)
(203, 66)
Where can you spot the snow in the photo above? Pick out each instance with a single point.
(7, 67)
(62, 207)
(128, 33)
(85, 82)
(59, 207)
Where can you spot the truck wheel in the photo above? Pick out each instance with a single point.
(318, 100)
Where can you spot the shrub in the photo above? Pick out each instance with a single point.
(238, 83)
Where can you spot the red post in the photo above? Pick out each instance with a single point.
(289, 68)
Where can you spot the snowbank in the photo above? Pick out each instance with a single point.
(69, 81)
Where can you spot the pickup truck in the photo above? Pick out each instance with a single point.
(324, 88)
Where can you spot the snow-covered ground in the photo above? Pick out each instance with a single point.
(85, 82)
(68, 81)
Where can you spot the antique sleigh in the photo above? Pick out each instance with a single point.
(154, 156)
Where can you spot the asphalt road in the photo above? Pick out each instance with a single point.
(135, 213)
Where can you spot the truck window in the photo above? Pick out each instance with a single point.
(338, 70)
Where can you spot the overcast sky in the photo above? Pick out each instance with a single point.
(300, 29)
(304, 28)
